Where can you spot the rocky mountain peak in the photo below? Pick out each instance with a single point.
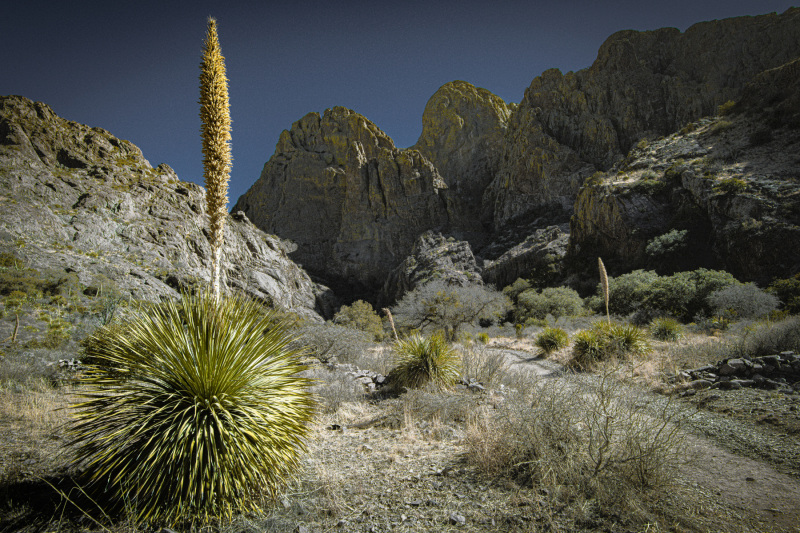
(463, 127)
(351, 201)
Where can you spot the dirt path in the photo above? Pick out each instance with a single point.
(766, 499)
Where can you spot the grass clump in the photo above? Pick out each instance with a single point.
(551, 340)
(605, 340)
(424, 360)
(731, 185)
(666, 329)
(192, 410)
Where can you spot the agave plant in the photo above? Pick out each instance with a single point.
(192, 409)
(422, 360)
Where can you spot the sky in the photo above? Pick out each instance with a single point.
(132, 67)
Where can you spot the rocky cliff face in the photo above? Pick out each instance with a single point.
(641, 84)
(463, 127)
(433, 257)
(351, 201)
(76, 199)
(724, 192)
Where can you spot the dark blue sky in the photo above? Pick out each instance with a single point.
(132, 67)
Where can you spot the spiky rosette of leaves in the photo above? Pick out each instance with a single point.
(422, 360)
(216, 134)
(193, 409)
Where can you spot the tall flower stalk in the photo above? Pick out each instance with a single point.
(604, 285)
(216, 133)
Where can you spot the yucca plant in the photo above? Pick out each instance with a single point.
(422, 360)
(216, 134)
(551, 339)
(192, 409)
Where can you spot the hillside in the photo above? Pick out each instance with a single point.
(80, 204)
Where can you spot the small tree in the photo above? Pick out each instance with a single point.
(360, 316)
(216, 134)
(448, 307)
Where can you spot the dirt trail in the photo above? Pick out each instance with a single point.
(767, 500)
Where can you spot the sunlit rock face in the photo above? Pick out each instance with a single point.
(347, 197)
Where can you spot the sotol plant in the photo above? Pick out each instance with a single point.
(216, 134)
(422, 360)
(191, 408)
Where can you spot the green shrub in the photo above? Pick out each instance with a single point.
(193, 409)
(666, 329)
(727, 108)
(483, 338)
(667, 245)
(360, 316)
(605, 340)
(628, 292)
(423, 360)
(731, 185)
(719, 127)
(515, 289)
(742, 301)
(554, 301)
(551, 340)
(788, 290)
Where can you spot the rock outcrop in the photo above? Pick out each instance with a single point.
(351, 201)
(538, 257)
(642, 84)
(434, 257)
(463, 128)
(77, 199)
(723, 193)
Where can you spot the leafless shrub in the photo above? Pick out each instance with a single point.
(331, 343)
(585, 436)
(334, 388)
(483, 364)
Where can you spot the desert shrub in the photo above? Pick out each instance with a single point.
(666, 329)
(587, 443)
(515, 289)
(788, 290)
(683, 295)
(438, 305)
(727, 108)
(760, 136)
(26, 280)
(667, 245)
(628, 292)
(360, 316)
(553, 301)
(333, 388)
(720, 126)
(742, 301)
(423, 360)
(649, 187)
(195, 408)
(331, 343)
(483, 338)
(479, 362)
(603, 341)
(551, 340)
(769, 338)
(731, 185)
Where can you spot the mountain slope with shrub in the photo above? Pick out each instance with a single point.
(79, 202)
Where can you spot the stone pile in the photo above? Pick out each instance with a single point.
(771, 372)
